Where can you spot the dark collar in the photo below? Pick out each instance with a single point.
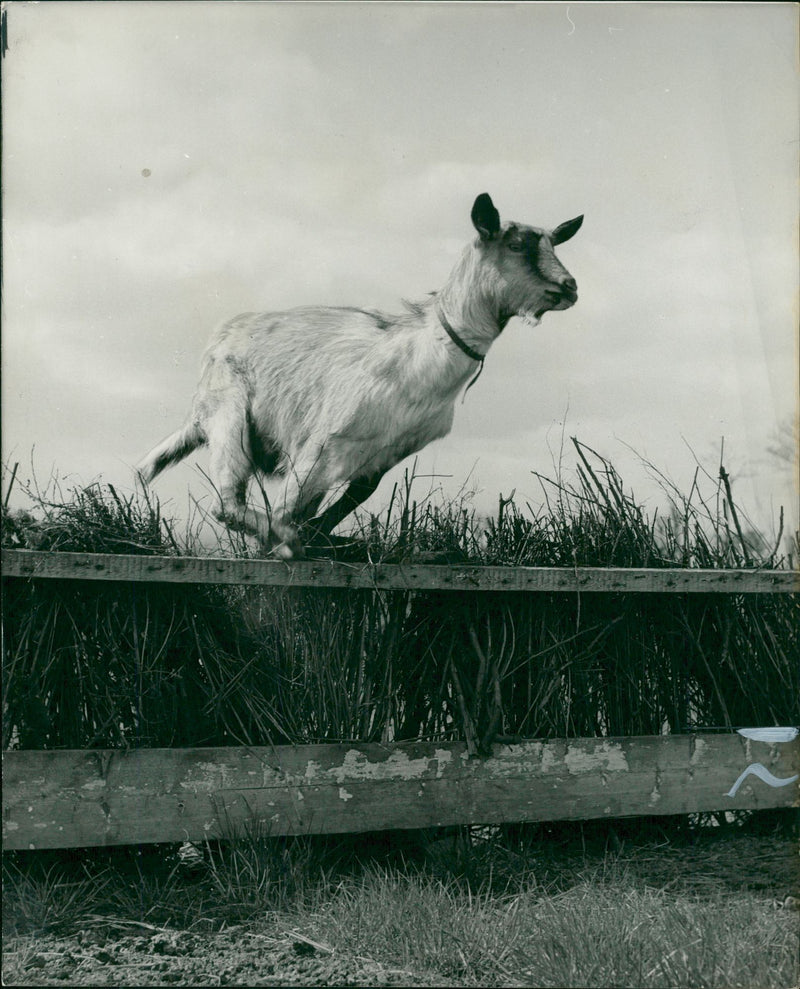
(462, 346)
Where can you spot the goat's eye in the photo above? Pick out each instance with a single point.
(517, 246)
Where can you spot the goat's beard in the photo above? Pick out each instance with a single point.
(530, 318)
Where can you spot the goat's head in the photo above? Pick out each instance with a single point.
(529, 277)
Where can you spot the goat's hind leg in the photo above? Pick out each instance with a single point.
(231, 467)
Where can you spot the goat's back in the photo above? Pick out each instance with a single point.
(316, 368)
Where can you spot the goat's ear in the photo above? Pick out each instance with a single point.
(485, 217)
(566, 230)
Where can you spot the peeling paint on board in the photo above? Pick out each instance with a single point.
(355, 766)
(608, 757)
(699, 747)
(94, 785)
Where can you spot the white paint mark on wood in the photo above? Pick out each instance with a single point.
(356, 766)
(770, 734)
(608, 757)
(548, 759)
(94, 785)
(443, 759)
(699, 748)
(761, 771)
(312, 768)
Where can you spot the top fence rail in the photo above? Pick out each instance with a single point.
(393, 576)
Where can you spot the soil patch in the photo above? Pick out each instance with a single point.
(105, 956)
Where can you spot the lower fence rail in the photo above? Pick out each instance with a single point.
(81, 798)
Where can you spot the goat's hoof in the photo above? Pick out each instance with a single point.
(288, 551)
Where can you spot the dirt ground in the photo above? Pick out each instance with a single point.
(153, 957)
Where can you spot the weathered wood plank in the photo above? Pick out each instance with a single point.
(405, 576)
(62, 799)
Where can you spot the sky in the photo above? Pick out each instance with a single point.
(168, 165)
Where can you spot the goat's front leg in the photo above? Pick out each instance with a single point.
(357, 492)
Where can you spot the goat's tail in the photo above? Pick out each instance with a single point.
(174, 448)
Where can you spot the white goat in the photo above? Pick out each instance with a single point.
(324, 396)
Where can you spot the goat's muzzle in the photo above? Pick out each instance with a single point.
(565, 289)
(569, 287)
(561, 296)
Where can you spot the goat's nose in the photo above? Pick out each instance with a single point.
(569, 284)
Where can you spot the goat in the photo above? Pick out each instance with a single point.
(326, 396)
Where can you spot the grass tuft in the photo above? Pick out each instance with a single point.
(45, 898)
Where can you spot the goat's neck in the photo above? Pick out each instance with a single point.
(469, 301)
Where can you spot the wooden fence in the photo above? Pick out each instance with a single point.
(62, 799)
(393, 576)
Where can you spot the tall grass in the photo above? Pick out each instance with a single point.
(104, 664)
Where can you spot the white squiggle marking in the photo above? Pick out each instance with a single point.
(756, 769)
(571, 22)
(770, 734)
